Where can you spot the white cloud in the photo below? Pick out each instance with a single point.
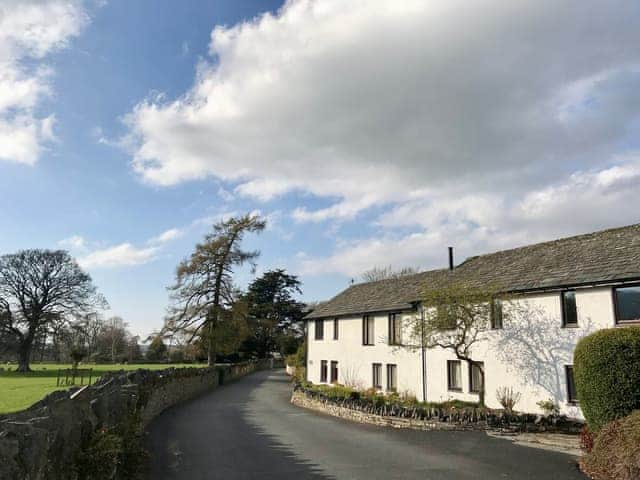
(121, 255)
(29, 31)
(368, 102)
(474, 224)
(478, 124)
(75, 242)
(167, 236)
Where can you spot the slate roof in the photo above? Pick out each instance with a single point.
(600, 257)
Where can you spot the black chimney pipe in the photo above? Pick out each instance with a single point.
(450, 258)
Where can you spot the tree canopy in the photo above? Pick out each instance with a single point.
(37, 289)
(204, 282)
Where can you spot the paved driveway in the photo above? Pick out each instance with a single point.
(249, 430)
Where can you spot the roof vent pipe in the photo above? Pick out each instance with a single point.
(450, 258)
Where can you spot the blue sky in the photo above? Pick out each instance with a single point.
(368, 133)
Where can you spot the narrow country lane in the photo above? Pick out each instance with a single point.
(249, 430)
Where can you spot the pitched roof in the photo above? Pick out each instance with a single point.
(599, 257)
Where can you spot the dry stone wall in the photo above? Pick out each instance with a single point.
(45, 441)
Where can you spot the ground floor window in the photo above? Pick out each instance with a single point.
(572, 397)
(454, 376)
(334, 372)
(392, 378)
(323, 370)
(475, 377)
(377, 376)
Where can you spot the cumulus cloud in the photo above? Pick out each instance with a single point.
(93, 255)
(120, 255)
(471, 123)
(29, 31)
(167, 236)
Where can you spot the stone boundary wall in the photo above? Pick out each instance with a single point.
(302, 400)
(45, 441)
(460, 420)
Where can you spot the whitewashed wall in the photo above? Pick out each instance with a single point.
(529, 354)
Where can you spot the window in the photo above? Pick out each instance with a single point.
(319, 329)
(334, 371)
(336, 331)
(569, 310)
(445, 317)
(496, 314)
(454, 377)
(395, 329)
(572, 397)
(367, 330)
(627, 303)
(323, 371)
(377, 376)
(475, 377)
(392, 378)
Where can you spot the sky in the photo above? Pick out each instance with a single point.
(368, 133)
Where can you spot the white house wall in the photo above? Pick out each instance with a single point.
(529, 354)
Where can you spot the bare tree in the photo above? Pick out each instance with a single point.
(453, 318)
(38, 287)
(204, 283)
(383, 273)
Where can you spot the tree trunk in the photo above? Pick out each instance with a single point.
(24, 354)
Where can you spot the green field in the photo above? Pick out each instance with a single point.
(20, 390)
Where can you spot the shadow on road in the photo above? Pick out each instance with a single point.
(211, 437)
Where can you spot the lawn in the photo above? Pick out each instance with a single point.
(20, 390)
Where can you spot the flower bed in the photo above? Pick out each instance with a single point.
(455, 414)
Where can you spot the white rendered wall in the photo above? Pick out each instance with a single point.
(355, 360)
(529, 354)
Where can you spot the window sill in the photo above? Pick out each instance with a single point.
(368, 344)
(622, 323)
(458, 390)
(571, 325)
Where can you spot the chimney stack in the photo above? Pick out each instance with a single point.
(450, 258)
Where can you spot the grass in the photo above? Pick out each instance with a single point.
(20, 390)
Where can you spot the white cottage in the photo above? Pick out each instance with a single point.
(557, 292)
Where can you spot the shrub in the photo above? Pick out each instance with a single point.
(615, 454)
(549, 407)
(607, 374)
(508, 398)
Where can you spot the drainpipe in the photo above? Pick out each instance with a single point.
(422, 348)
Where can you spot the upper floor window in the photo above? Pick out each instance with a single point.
(392, 378)
(377, 376)
(368, 330)
(627, 303)
(569, 310)
(445, 317)
(336, 331)
(454, 375)
(572, 397)
(395, 329)
(496, 314)
(319, 329)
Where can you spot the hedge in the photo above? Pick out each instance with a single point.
(615, 454)
(607, 374)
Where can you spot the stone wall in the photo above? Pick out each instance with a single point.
(433, 418)
(302, 400)
(46, 440)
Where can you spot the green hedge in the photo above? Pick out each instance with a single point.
(607, 374)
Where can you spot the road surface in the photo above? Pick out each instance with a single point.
(249, 430)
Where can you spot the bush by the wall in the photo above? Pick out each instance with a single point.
(615, 454)
(607, 374)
